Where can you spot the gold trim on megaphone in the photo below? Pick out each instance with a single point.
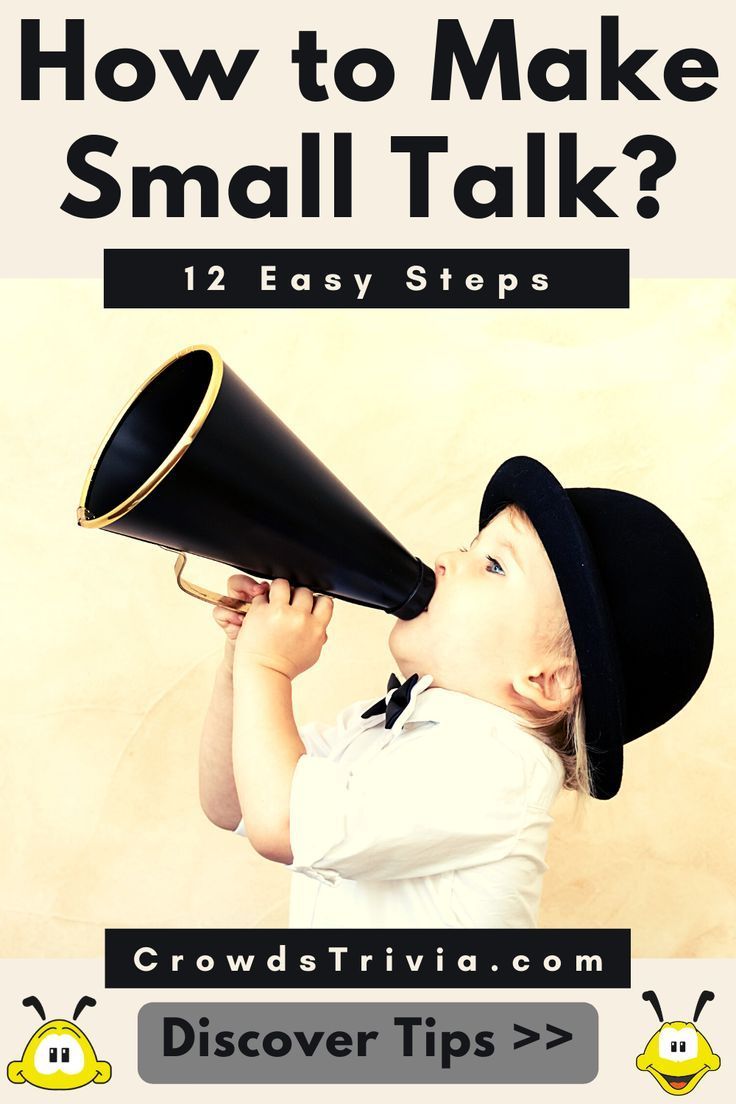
(84, 518)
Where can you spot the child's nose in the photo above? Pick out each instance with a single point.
(442, 563)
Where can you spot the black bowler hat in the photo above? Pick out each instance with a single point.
(636, 599)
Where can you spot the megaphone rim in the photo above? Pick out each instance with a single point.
(84, 518)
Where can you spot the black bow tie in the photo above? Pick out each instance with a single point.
(397, 703)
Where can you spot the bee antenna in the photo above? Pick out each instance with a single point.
(82, 1003)
(34, 1002)
(651, 996)
(703, 999)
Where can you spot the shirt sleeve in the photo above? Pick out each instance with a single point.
(430, 803)
(317, 737)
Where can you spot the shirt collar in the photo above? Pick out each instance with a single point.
(438, 704)
(430, 704)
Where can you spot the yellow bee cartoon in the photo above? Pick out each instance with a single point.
(59, 1055)
(678, 1056)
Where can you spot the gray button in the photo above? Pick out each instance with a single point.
(363, 1043)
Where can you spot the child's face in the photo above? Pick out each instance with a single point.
(495, 612)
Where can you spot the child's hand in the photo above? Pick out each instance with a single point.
(284, 632)
(238, 586)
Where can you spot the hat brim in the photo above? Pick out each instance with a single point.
(529, 484)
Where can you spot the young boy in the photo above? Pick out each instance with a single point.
(431, 807)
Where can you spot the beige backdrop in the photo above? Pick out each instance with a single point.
(107, 667)
(264, 122)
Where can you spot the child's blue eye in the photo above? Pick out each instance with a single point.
(495, 568)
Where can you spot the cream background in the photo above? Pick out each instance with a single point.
(264, 123)
(106, 667)
(626, 1023)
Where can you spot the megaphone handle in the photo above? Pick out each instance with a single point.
(203, 594)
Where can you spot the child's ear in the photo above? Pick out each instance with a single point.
(552, 689)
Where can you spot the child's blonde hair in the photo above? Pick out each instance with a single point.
(564, 731)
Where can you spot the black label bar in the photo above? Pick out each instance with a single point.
(576, 958)
(500, 278)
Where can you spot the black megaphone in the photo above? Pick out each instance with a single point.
(196, 463)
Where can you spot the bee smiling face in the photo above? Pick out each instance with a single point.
(678, 1056)
(59, 1055)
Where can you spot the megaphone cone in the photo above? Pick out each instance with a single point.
(196, 463)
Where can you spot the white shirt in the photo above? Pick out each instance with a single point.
(440, 821)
